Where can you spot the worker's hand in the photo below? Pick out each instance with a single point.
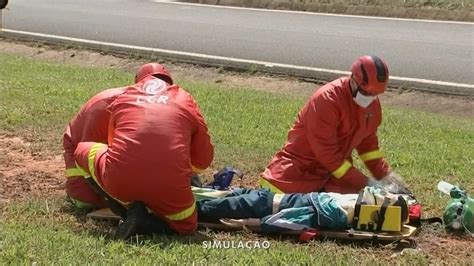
(196, 181)
(395, 184)
(371, 182)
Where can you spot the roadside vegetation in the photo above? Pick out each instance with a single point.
(37, 99)
(420, 9)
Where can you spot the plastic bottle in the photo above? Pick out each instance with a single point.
(445, 187)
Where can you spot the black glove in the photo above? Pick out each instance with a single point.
(196, 181)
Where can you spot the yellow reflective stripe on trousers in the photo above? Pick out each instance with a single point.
(342, 170)
(70, 172)
(91, 157)
(372, 155)
(265, 184)
(182, 214)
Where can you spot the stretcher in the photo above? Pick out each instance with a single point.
(253, 226)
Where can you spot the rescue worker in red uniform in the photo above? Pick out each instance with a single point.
(90, 124)
(157, 140)
(341, 116)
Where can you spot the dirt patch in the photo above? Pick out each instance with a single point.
(23, 176)
(441, 247)
(441, 104)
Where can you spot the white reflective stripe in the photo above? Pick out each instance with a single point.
(276, 202)
(278, 221)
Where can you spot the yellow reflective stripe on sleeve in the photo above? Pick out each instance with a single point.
(342, 170)
(372, 155)
(75, 172)
(182, 214)
(265, 184)
(196, 170)
(91, 157)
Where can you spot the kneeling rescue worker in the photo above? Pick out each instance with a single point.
(341, 116)
(157, 139)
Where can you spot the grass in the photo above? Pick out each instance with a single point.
(37, 99)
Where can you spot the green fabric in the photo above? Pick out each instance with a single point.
(79, 204)
(208, 193)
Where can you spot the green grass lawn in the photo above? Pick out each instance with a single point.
(38, 99)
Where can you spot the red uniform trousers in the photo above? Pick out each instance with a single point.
(175, 205)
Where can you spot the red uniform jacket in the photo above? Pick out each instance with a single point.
(158, 138)
(318, 152)
(90, 124)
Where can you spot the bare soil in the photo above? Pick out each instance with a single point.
(24, 175)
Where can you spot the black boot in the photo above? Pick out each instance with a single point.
(140, 222)
(137, 216)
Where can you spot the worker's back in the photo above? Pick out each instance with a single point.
(151, 129)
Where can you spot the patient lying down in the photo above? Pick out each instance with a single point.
(296, 211)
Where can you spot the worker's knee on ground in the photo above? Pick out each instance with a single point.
(81, 154)
(81, 195)
(186, 226)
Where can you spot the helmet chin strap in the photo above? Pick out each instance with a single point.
(353, 87)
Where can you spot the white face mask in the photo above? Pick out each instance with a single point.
(364, 100)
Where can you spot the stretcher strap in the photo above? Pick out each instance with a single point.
(381, 218)
(355, 220)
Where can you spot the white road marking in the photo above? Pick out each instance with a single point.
(223, 58)
(311, 13)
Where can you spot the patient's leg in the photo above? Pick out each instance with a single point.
(245, 204)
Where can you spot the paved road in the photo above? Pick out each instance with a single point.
(414, 49)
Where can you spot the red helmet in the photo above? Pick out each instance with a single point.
(153, 69)
(371, 74)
